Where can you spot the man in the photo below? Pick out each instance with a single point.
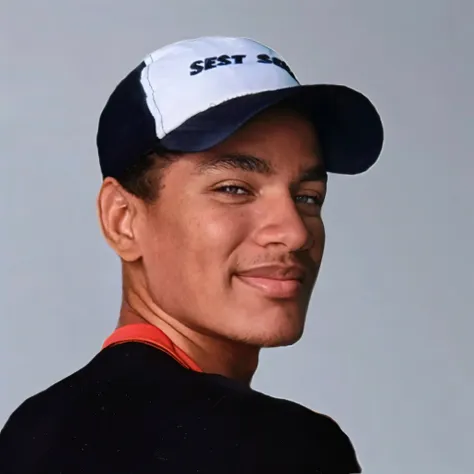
(215, 163)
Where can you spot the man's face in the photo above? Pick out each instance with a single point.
(233, 245)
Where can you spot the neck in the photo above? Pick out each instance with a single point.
(212, 354)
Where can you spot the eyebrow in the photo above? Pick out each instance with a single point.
(254, 164)
(236, 161)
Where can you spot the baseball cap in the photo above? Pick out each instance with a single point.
(191, 95)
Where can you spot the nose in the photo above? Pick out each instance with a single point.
(280, 223)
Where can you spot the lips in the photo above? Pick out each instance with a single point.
(275, 272)
(274, 281)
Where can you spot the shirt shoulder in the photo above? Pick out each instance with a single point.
(287, 431)
(33, 427)
(134, 402)
(324, 435)
(319, 435)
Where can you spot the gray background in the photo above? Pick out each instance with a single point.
(388, 348)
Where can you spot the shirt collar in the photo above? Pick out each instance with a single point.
(151, 335)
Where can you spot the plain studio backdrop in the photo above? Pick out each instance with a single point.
(388, 348)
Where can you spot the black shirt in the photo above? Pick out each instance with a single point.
(134, 409)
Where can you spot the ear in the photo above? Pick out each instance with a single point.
(117, 212)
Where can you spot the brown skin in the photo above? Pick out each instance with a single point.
(182, 255)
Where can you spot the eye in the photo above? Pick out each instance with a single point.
(232, 189)
(311, 200)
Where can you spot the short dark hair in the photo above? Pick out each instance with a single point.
(144, 177)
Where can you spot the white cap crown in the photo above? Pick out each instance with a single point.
(186, 78)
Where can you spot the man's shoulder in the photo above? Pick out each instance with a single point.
(35, 424)
(323, 435)
(117, 405)
(294, 429)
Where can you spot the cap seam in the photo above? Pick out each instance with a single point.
(154, 98)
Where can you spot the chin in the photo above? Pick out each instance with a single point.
(281, 340)
(273, 334)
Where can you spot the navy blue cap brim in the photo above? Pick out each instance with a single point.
(348, 125)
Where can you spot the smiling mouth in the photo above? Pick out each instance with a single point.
(273, 287)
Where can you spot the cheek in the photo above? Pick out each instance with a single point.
(217, 234)
(188, 262)
(193, 245)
